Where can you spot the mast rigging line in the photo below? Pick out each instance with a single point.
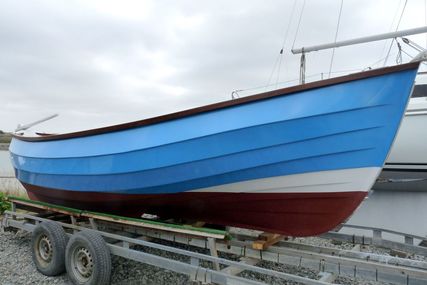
(413, 45)
(391, 29)
(278, 60)
(397, 27)
(335, 40)
(285, 38)
(299, 22)
(289, 25)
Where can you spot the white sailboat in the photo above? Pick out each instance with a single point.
(406, 166)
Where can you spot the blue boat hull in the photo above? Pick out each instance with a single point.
(258, 147)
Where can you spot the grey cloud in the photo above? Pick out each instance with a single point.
(96, 68)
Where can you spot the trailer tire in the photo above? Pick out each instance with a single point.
(48, 243)
(88, 259)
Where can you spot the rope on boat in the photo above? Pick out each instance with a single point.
(399, 53)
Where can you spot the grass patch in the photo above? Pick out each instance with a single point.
(16, 191)
(10, 186)
(5, 137)
(4, 204)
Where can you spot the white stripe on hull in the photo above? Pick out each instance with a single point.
(405, 166)
(342, 180)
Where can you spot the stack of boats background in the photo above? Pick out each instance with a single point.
(400, 194)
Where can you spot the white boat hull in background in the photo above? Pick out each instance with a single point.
(406, 166)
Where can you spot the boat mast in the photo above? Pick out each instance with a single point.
(355, 41)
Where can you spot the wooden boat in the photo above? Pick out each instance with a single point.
(295, 161)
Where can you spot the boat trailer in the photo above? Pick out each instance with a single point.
(82, 243)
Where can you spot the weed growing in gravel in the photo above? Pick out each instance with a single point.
(4, 204)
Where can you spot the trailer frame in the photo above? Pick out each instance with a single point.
(122, 234)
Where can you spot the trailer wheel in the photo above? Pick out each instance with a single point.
(48, 242)
(87, 259)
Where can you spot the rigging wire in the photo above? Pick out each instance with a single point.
(235, 94)
(413, 45)
(289, 25)
(374, 63)
(302, 62)
(280, 65)
(391, 26)
(335, 40)
(279, 57)
(409, 55)
(272, 71)
(285, 38)
(397, 27)
(299, 22)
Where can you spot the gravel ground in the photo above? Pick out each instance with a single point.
(348, 246)
(16, 266)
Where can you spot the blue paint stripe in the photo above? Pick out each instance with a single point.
(276, 169)
(344, 143)
(215, 145)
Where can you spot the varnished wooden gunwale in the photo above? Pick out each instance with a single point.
(225, 104)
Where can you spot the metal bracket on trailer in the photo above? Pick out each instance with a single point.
(376, 239)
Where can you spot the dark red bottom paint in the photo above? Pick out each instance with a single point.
(291, 214)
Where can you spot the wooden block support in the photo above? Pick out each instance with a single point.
(399, 253)
(199, 224)
(265, 240)
(151, 224)
(214, 252)
(233, 270)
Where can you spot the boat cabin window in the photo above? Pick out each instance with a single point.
(420, 91)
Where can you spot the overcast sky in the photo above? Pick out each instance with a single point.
(97, 63)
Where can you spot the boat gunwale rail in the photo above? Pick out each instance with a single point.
(225, 104)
